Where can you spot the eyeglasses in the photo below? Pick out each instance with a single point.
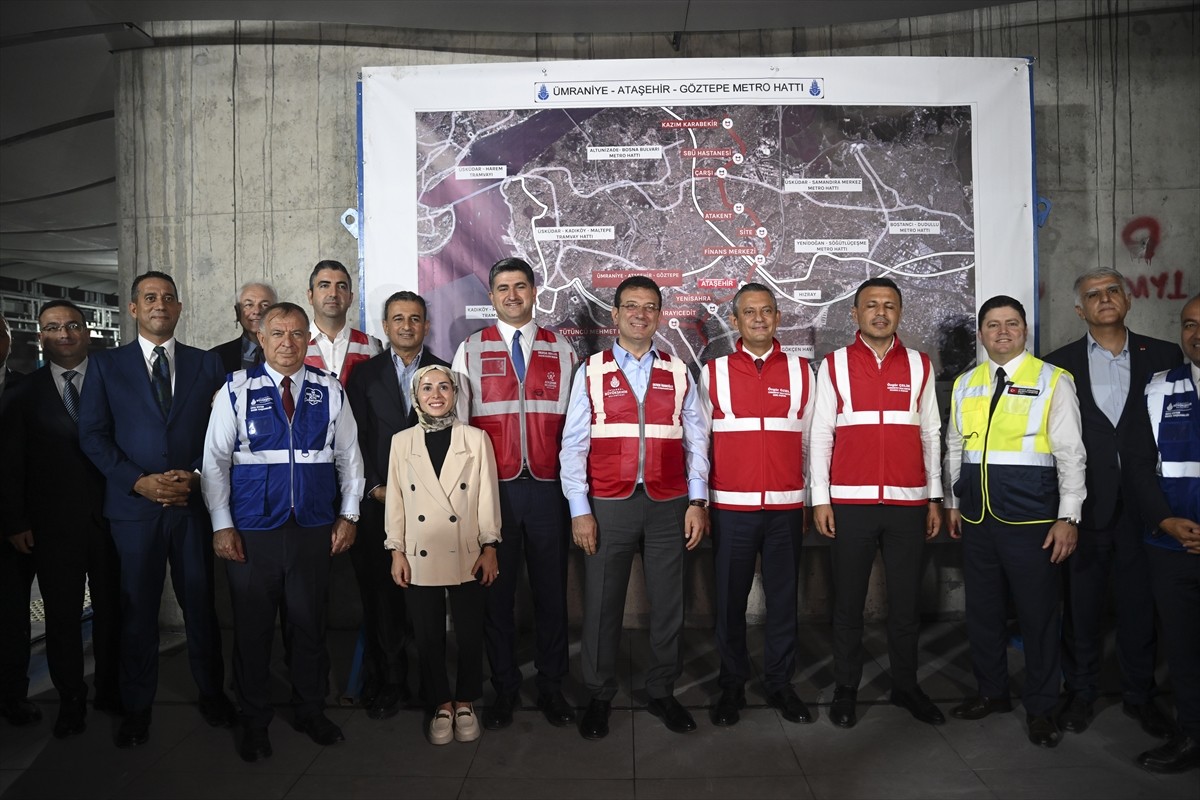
(631, 308)
(54, 327)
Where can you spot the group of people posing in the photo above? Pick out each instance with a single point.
(305, 438)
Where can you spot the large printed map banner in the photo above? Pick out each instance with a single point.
(807, 175)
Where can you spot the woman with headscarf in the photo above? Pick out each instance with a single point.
(443, 524)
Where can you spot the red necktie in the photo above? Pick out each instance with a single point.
(289, 403)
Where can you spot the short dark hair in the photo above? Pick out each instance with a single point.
(405, 296)
(62, 303)
(285, 308)
(1000, 301)
(886, 283)
(328, 264)
(510, 265)
(752, 287)
(636, 282)
(162, 276)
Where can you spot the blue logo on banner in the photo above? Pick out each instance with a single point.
(542, 93)
(815, 89)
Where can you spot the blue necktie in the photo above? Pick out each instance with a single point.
(160, 379)
(71, 394)
(518, 356)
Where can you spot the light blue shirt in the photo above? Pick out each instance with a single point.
(1109, 378)
(577, 432)
(404, 374)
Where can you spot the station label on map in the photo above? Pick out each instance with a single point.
(479, 172)
(914, 226)
(625, 152)
(822, 184)
(832, 246)
(806, 294)
(480, 312)
(573, 232)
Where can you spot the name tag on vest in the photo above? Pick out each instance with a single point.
(493, 367)
(1024, 391)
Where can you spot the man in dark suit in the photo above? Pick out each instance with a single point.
(1111, 366)
(142, 423)
(245, 352)
(382, 404)
(16, 578)
(69, 541)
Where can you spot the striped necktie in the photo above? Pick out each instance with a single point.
(71, 394)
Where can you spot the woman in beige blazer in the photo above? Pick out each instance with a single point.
(443, 524)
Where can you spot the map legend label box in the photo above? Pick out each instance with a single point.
(832, 246)
(914, 226)
(625, 152)
(822, 184)
(573, 232)
(480, 172)
(479, 312)
(706, 152)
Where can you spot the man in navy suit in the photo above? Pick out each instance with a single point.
(69, 542)
(382, 406)
(1111, 365)
(142, 423)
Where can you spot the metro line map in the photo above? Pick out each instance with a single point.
(809, 199)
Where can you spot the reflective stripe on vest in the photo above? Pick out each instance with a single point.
(1174, 411)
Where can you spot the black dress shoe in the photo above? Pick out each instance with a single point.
(255, 744)
(1042, 730)
(556, 709)
(789, 705)
(980, 706)
(320, 729)
(841, 712)
(218, 711)
(1153, 720)
(595, 720)
(672, 713)
(386, 702)
(725, 712)
(134, 730)
(20, 712)
(72, 717)
(501, 712)
(917, 703)
(1077, 715)
(1179, 754)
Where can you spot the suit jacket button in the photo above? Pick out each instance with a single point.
(454, 519)
(424, 553)
(421, 518)
(412, 487)
(462, 486)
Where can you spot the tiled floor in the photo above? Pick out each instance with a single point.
(888, 754)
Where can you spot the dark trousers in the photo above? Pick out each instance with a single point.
(67, 560)
(535, 533)
(145, 547)
(289, 567)
(1085, 601)
(16, 578)
(739, 538)
(625, 527)
(999, 559)
(385, 620)
(899, 533)
(1177, 595)
(427, 608)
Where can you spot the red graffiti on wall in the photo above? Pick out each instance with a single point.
(1167, 285)
(1141, 236)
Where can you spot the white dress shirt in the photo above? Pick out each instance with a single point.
(333, 351)
(223, 429)
(824, 423)
(1064, 428)
(148, 354)
(60, 382)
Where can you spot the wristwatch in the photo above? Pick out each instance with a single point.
(1069, 520)
(938, 500)
(493, 545)
(698, 503)
(353, 518)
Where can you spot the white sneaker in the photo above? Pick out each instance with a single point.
(466, 724)
(441, 728)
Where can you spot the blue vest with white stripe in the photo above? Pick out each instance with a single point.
(1175, 417)
(277, 467)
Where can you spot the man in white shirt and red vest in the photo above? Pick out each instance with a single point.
(515, 380)
(760, 401)
(876, 484)
(335, 347)
(635, 473)
(1015, 463)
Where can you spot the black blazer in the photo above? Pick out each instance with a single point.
(230, 354)
(380, 412)
(1101, 439)
(42, 460)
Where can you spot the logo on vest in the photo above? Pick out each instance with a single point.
(1180, 409)
(614, 383)
(313, 396)
(665, 387)
(550, 383)
(1024, 391)
(899, 387)
(262, 404)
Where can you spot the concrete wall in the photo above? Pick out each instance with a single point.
(237, 156)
